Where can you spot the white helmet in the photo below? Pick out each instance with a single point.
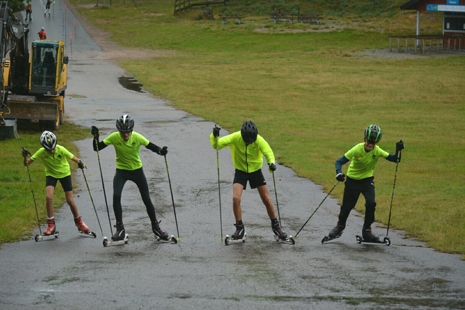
(48, 140)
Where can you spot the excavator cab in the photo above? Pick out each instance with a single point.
(48, 73)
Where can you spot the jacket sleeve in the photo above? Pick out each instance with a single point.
(266, 150)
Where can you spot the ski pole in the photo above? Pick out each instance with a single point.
(276, 195)
(335, 184)
(172, 199)
(103, 184)
(219, 192)
(392, 195)
(33, 195)
(218, 169)
(92, 200)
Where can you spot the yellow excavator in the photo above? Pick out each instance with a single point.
(33, 82)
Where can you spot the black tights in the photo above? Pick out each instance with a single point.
(138, 177)
(352, 190)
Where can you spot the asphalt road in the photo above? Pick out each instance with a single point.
(200, 272)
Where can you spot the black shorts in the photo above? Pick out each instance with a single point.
(255, 179)
(65, 182)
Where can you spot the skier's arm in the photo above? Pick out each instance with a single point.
(392, 158)
(156, 149)
(341, 161)
(79, 162)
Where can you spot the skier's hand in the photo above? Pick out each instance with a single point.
(216, 131)
(272, 167)
(400, 146)
(25, 152)
(81, 164)
(163, 151)
(94, 131)
(340, 177)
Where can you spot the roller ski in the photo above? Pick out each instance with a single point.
(120, 236)
(335, 233)
(368, 237)
(238, 237)
(162, 236)
(50, 233)
(280, 235)
(83, 229)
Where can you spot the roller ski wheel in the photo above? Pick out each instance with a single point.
(88, 233)
(38, 237)
(290, 240)
(328, 238)
(171, 239)
(228, 240)
(385, 241)
(107, 242)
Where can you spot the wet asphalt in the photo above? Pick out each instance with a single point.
(200, 272)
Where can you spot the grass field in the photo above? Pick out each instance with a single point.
(312, 89)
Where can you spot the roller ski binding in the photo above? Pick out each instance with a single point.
(368, 237)
(162, 236)
(120, 236)
(238, 237)
(49, 233)
(335, 233)
(82, 227)
(280, 235)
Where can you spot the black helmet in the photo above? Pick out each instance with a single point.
(48, 140)
(373, 133)
(125, 124)
(249, 132)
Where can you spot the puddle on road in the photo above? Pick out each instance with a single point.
(131, 83)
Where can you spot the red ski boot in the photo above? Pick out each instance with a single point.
(51, 227)
(81, 226)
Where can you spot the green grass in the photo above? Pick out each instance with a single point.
(312, 94)
(18, 213)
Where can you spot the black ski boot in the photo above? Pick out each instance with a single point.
(120, 233)
(240, 231)
(368, 236)
(336, 232)
(158, 232)
(277, 230)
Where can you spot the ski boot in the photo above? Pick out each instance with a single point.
(160, 234)
(51, 227)
(120, 233)
(336, 232)
(120, 236)
(238, 236)
(50, 231)
(82, 227)
(279, 234)
(368, 237)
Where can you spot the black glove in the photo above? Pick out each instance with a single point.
(25, 152)
(94, 131)
(81, 164)
(272, 167)
(400, 146)
(163, 151)
(216, 131)
(340, 177)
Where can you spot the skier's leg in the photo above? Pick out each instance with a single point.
(118, 183)
(370, 208)
(237, 196)
(349, 200)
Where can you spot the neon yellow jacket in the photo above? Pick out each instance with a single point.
(247, 158)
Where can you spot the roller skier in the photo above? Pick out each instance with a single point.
(127, 145)
(247, 151)
(360, 180)
(54, 158)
